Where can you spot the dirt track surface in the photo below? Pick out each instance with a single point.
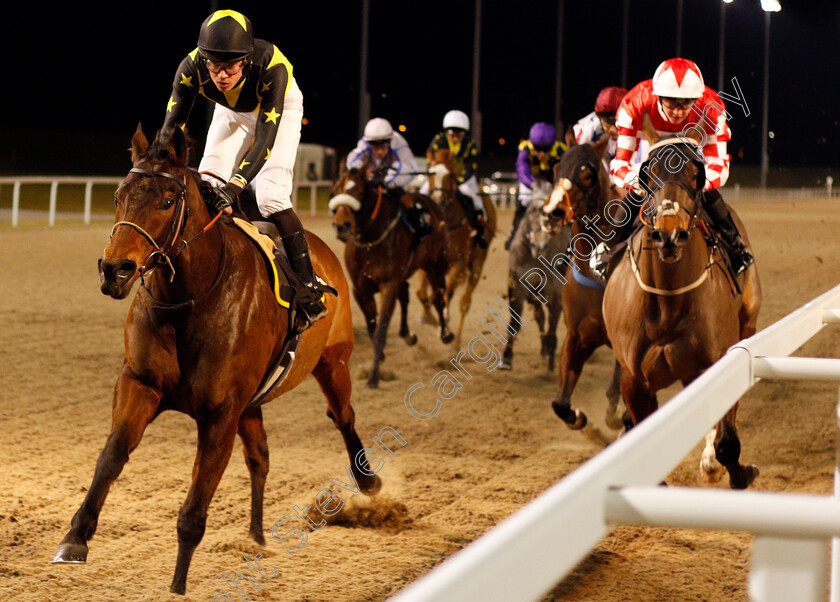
(490, 450)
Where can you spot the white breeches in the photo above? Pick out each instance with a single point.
(229, 139)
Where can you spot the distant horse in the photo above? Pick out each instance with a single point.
(381, 254)
(467, 257)
(581, 175)
(200, 335)
(543, 232)
(671, 307)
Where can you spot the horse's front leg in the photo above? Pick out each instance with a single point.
(613, 420)
(549, 338)
(437, 278)
(255, 447)
(728, 452)
(216, 434)
(388, 300)
(425, 301)
(466, 297)
(572, 357)
(516, 302)
(135, 406)
(405, 332)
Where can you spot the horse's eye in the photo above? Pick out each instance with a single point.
(167, 204)
(116, 202)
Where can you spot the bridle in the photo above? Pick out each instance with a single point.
(380, 192)
(163, 253)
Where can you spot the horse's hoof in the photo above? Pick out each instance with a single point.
(178, 589)
(613, 421)
(580, 421)
(410, 340)
(447, 338)
(70, 553)
(750, 473)
(372, 384)
(505, 365)
(258, 538)
(374, 488)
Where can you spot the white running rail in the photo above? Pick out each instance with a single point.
(90, 181)
(530, 552)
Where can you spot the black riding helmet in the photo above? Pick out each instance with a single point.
(226, 36)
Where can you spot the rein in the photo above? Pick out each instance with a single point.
(162, 251)
(669, 292)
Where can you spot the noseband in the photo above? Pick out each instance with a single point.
(160, 251)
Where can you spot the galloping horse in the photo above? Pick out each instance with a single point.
(581, 175)
(671, 307)
(199, 337)
(466, 255)
(381, 254)
(543, 234)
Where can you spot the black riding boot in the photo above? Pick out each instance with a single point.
(418, 220)
(716, 208)
(517, 217)
(297, 251)
(474, 218)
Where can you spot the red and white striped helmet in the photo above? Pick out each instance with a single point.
(678, 78)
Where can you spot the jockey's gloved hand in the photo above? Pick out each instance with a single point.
(390, 174)
(226, 196)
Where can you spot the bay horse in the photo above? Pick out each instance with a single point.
(467, 256)
(543, 234)
(582, 176)
(200, 334)
(671, 307)
(380, 255)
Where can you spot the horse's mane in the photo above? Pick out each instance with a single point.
(161, 149)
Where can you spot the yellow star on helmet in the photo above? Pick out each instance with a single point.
(267, 154)
(186, 81)
(243, 164)
(170, 104)
(221, 14)
(271, 116)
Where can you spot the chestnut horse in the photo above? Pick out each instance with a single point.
(381, 254)
(671, 307)
(201, 333)
(581, 174)
(467, 256)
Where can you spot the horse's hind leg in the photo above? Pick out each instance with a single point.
(405, 332)
(728, 452)
(216, 435)
(388, 300)
(466, 298)
(549, 338)
(255, 447)
(333, 376)
(135, 406)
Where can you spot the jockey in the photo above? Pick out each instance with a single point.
(536, 159)
(390, 163)
(255, 131)
(602, 120)
(456, 139)
(677, 98)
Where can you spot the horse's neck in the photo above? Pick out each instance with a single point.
(381, 215)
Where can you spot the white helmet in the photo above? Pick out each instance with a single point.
(378, 129)
(678, 78)
(456, 119)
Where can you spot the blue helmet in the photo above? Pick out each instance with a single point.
(542, 134)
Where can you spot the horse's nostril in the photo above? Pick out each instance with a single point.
(558, 214)
(682, 236)
(126, 269)
(656, 236)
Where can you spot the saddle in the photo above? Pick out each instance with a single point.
(289, 293)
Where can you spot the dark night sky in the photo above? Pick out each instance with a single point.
(78, 79)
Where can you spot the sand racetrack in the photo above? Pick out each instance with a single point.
(489, 451)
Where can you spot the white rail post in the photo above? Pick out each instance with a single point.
(313, 188)
(835, 541)
(788, 569)
(16, 204)
(88, 197)
(53, 201)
